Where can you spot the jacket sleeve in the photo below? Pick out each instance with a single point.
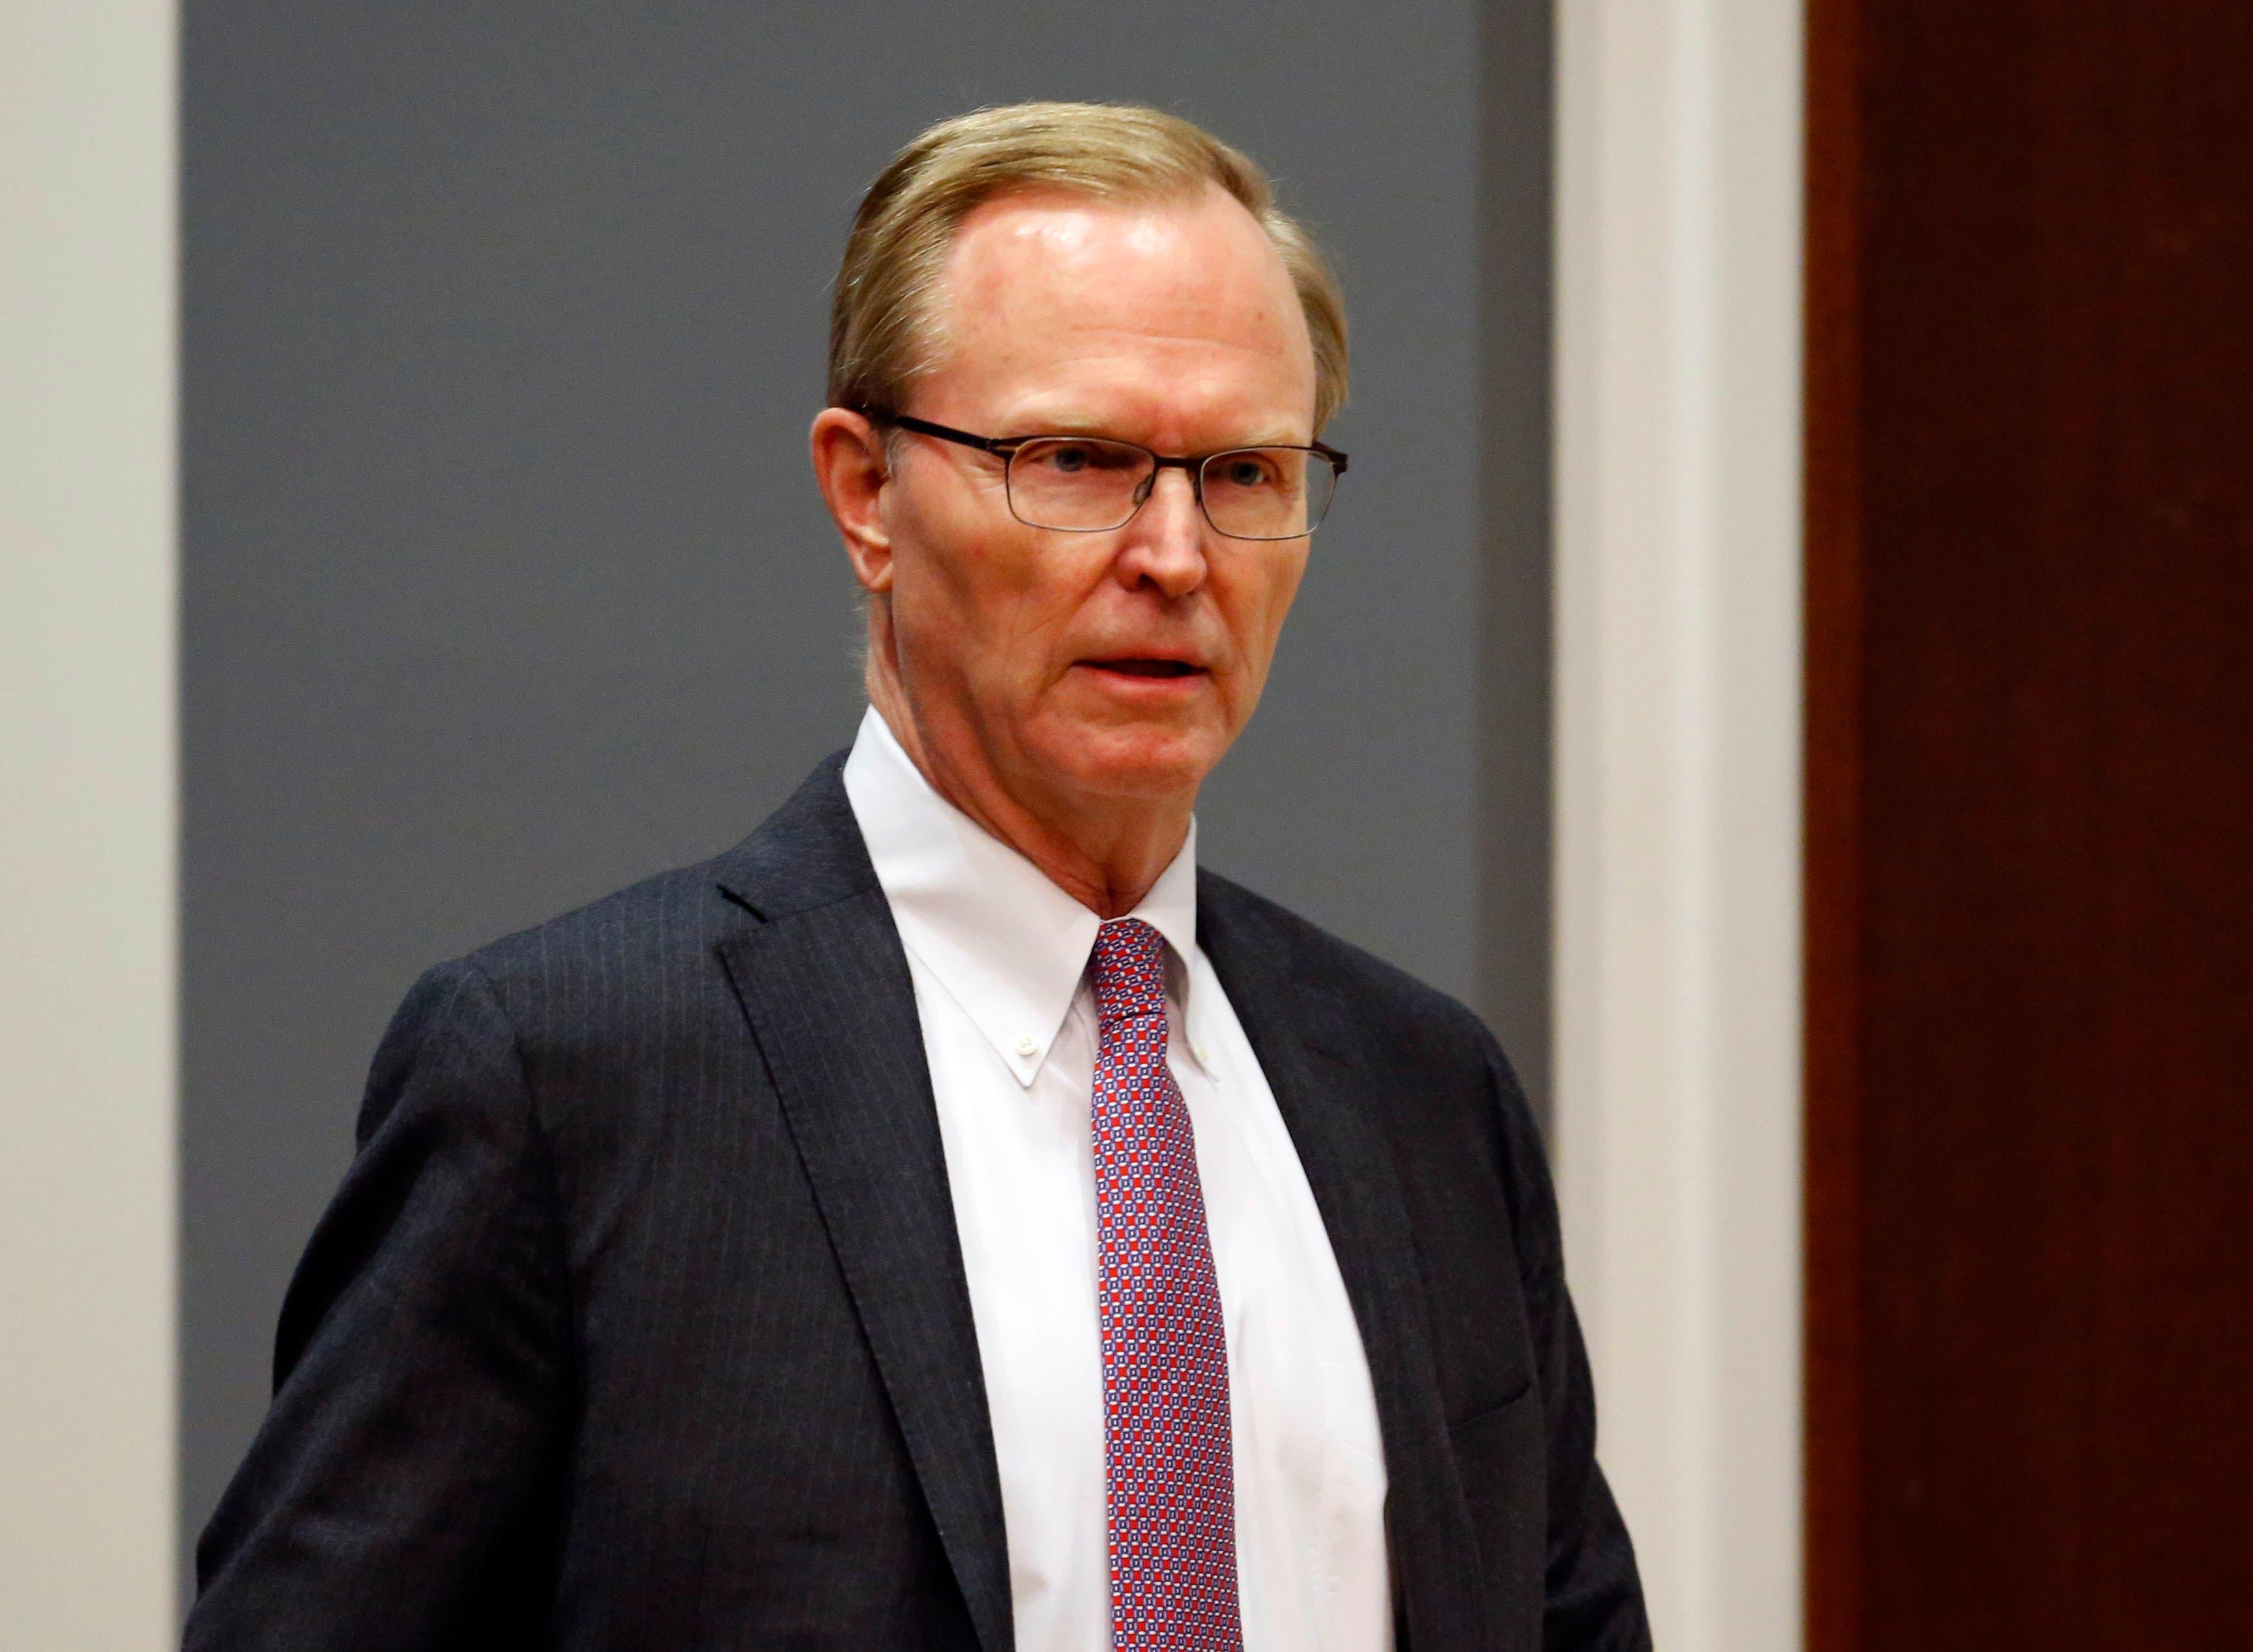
(403, 1491)
(1594, 1595)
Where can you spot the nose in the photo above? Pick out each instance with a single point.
(1165, 542)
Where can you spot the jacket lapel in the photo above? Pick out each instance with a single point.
(825, 984)
(1329, 1101)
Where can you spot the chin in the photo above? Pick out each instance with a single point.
(1136, 762)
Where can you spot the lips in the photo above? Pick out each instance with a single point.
(1132, 666)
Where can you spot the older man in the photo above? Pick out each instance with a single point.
(950, 1219)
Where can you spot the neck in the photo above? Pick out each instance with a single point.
(1105, 857)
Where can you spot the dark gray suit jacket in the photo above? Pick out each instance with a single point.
(639, 1320)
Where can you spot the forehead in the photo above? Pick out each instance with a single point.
(1068, 300)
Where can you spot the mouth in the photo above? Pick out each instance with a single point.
(1145, 667)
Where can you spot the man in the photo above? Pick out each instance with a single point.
(949, 1219)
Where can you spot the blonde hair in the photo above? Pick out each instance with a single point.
(881, 328)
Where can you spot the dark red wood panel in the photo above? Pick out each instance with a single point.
(2030, 813)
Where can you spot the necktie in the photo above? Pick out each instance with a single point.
(1170, 1472)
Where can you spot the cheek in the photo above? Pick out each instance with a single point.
(1254, 603)
(981, 604)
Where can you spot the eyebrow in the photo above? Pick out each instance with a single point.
(1065, 423)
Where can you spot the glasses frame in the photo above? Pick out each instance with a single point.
(1005, 449)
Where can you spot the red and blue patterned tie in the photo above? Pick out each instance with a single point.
(1169, 1465)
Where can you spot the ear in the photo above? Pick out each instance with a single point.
(849, 465)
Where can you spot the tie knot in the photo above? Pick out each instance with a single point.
(1130, 970)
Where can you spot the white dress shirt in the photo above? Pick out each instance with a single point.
(999, 956)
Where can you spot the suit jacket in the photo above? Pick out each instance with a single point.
(640, 1318)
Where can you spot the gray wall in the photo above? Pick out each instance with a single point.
(1512, 649)
(505, 581)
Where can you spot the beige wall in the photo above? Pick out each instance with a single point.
(86, 824)
(1677, 785)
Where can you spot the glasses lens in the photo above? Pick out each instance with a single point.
(1267, 493)
(1079, 483)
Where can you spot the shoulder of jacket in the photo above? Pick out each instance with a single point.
(1384, 990)
(660, 923)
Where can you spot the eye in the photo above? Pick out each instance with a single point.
(1247, 471)
(1066, 455)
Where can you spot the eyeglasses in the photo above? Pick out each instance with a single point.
(1091, 485)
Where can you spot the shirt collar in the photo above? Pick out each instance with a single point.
(1007, 944)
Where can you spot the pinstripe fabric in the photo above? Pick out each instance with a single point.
(640, 1318)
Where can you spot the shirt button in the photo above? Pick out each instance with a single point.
(1029, 1047)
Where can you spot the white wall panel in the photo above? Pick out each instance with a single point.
(86, 824)
(1678, 785)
